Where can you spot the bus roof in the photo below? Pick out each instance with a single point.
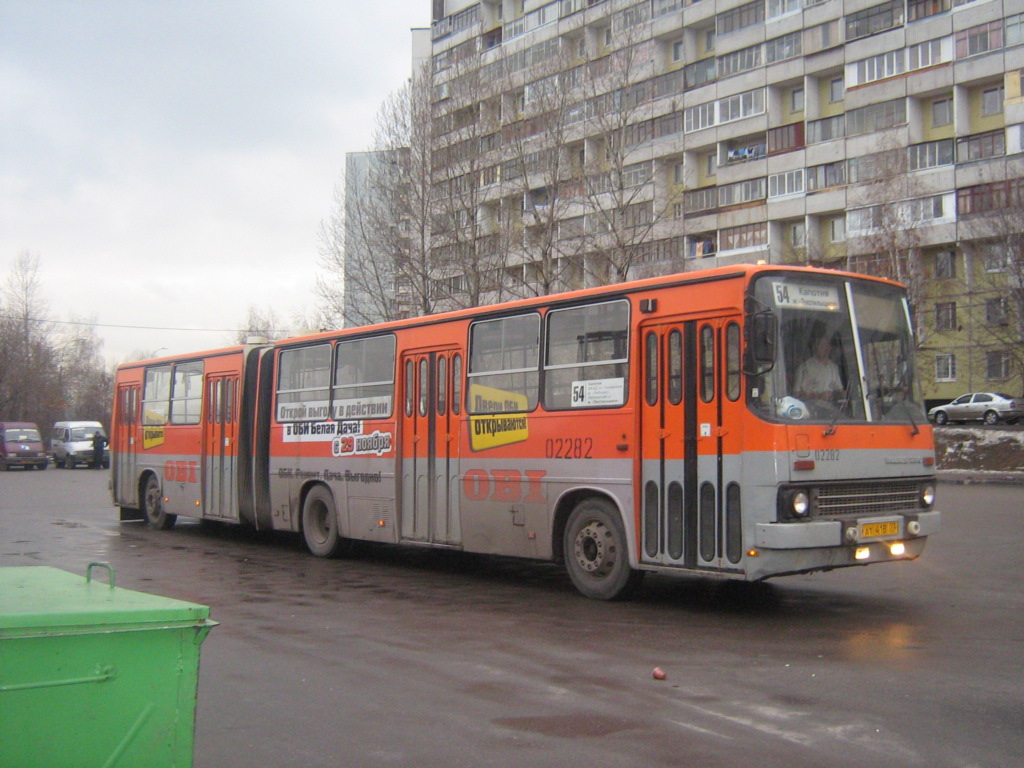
(714, 274)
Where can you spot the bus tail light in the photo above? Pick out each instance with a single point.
(897, 549)
(862, 553)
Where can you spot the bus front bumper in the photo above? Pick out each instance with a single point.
(833, 533)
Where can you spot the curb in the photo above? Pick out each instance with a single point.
(976, 477)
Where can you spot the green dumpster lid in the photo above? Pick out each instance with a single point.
(41, 598)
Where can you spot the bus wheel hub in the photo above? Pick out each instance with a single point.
(592, 551)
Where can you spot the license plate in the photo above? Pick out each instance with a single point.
(890, 528)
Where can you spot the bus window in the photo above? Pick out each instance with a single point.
(457, 384)
(675, 367)
(364, 378)
(503, 364)
(586, 356)
(651, 369)
(732, 362)
(409, 388)
(156, 396)
(187, 393)
(707, 364)
(424, 387)
(303, 384)
(442, 385)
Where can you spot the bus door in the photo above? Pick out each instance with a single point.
(220, 434)
(125, 437)
(689, 442)
(429, 456)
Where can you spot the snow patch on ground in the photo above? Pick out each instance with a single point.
(979, 449)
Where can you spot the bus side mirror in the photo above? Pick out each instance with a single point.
(762, 332)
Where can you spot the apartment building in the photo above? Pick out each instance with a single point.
(581, 141)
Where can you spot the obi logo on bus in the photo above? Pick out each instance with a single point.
(376, 443)
(181, 471)
(505, 486)
(494, 425)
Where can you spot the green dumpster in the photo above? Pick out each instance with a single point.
(95, 675)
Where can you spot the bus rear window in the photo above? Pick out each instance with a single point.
(504, 358)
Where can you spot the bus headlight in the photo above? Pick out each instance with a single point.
(800, 504)
(927, 495)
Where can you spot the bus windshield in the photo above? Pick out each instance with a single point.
(843, 352)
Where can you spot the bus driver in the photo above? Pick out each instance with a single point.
(818, 377)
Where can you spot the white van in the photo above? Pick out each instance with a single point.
(71, 443)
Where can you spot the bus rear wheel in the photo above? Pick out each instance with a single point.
(152, 506)
(320, 524)
(596, 556)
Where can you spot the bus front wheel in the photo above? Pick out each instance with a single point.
(153, 507)
(596, 556)
(320, 524)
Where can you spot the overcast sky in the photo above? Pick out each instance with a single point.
(170, 161)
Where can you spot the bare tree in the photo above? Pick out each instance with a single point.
(887, 212)
(376, 246)
(46, 375)
(992, 222)
(260, 323)
(623, 210)
(25, 342)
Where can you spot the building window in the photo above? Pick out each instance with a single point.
(827, 175)
(945, 367)
(925, 54)
(741, 192)
(677, 51)
(788, 183)
(837, 229)
(826, 129)
(942, 112)
(876, 19)
(785, 47)
(931, 154)
(798, 234)
(986, 198)
(981, 146)
(785, 138)
(922, 9)
(739, 18)
(996, 259)
(945, 264)
(748, 236)
(995, 311)
(880, 67)
(980, 39)
(997, 365)
(945, 316)
(992, 101)
(876, 117)
(835, 90)
(741, 105)
(796, 100)
(1014, 34)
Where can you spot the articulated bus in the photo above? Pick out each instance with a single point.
(666, 425)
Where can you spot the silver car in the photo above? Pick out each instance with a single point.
(989, 407)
